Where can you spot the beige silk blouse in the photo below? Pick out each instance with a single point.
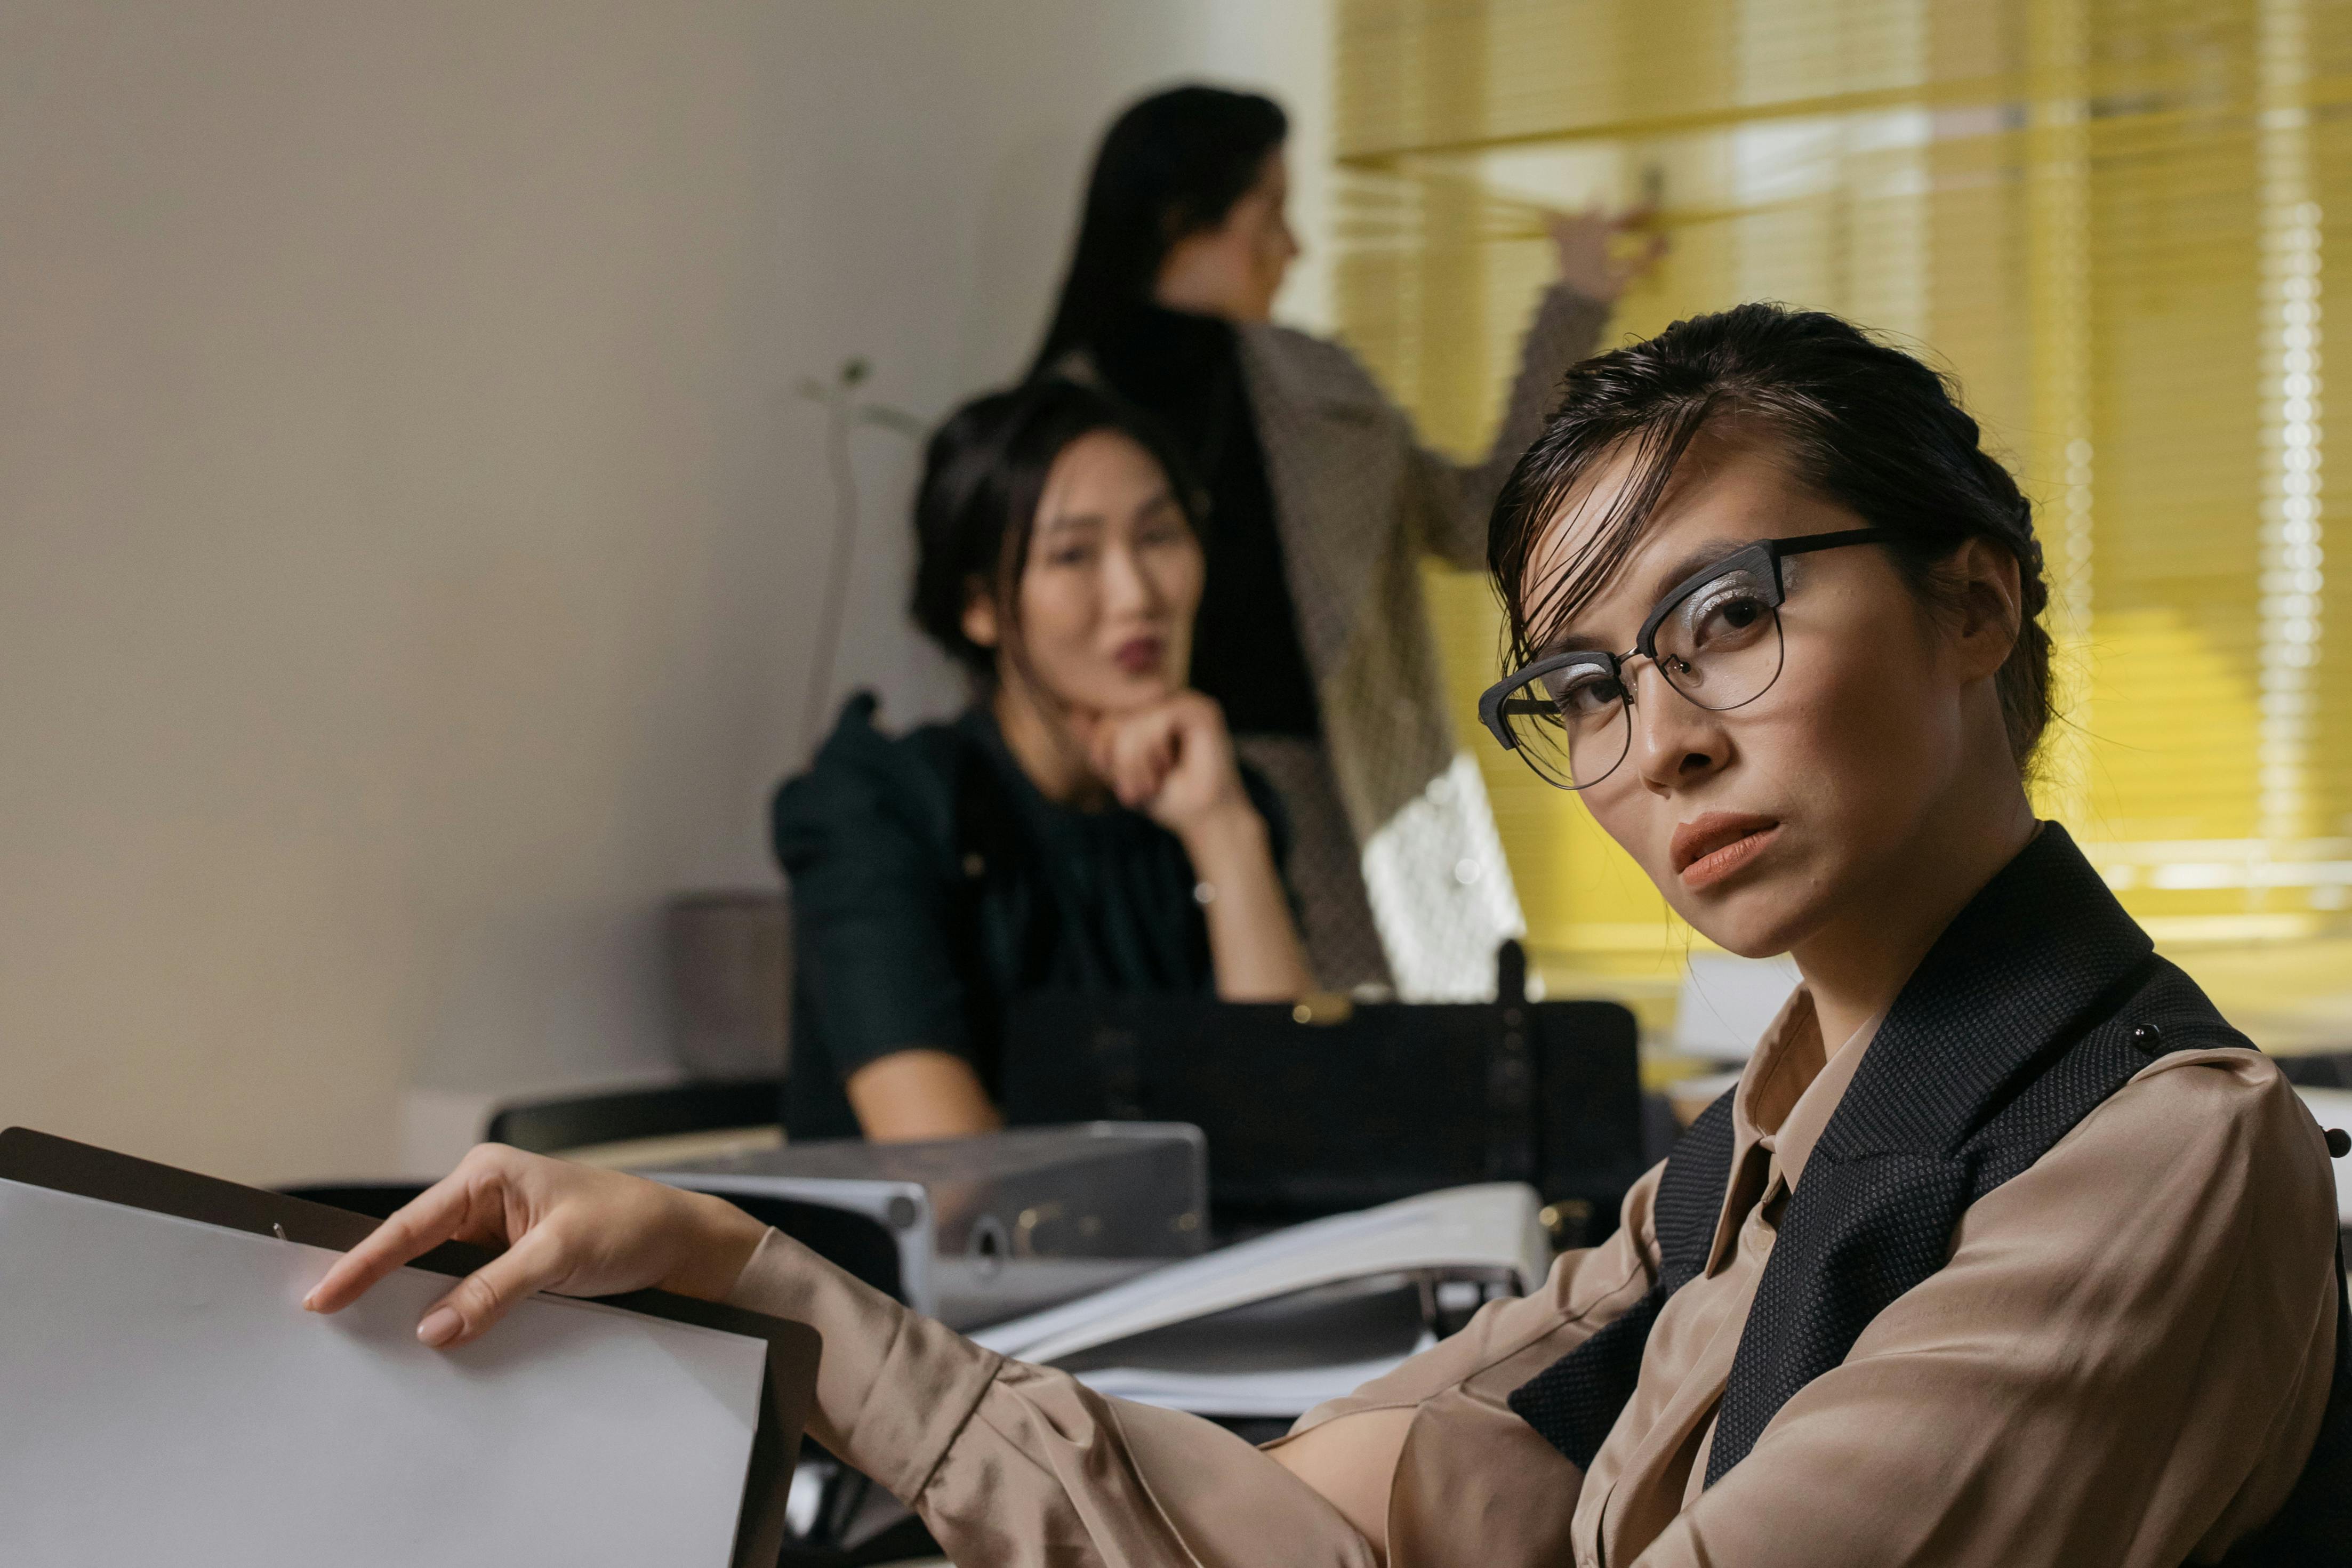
(2125, 1362)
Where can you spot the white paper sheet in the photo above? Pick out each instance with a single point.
(1490, 1225)
(1282, 1396)
(164, 1399)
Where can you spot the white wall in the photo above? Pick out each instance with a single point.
(408, 532)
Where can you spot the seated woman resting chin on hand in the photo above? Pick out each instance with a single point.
(2006, 1251)
(1084, 825)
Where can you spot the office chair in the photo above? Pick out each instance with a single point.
(587, 1121)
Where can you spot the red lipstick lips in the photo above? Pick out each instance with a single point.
(1711, 847)
(1141, 656)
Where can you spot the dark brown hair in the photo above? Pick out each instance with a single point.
(1863, 424)
(1171, 165)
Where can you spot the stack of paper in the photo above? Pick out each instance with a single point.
(1252, 1331)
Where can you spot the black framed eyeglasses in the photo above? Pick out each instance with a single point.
(1716, 637)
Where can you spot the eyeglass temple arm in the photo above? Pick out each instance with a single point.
(1812, 542)
(1497, 701)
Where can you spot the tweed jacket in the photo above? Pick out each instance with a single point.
(1360, 501)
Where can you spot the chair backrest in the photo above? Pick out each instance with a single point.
(1311, 1111)
(559, 1126)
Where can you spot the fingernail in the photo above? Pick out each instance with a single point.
(440, 1326)
(310, 1302)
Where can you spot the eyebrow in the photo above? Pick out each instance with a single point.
(1064, 522)
(1699, 557)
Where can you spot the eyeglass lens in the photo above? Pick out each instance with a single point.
(1720, 646)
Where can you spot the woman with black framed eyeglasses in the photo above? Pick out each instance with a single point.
(1716, 637)
(2006, 1251)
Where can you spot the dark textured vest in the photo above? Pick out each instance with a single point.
(2041, 999)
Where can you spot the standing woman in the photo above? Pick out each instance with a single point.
(2006, 1253)
(1312, 633)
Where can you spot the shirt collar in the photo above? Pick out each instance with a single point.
(1785, 1097)
(1785, 1058)
(1801, 1127)
(2034, 950)
(1788, 1053)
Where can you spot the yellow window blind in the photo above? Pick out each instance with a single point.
(2114, 221)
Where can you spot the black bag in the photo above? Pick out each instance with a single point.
(1324, 1106)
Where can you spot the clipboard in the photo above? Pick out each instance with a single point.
(59, 1165)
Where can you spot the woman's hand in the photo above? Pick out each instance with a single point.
(570, 1228)
(1172, 761)
(1589, 259)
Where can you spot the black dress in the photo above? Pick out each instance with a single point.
(931, 882)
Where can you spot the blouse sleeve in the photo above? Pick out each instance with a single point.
(1451, 501)
(863, 835)
(1020, 1464)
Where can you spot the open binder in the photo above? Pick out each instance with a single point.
(52, 1165)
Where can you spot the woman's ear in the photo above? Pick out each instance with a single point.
(1990, 598)
(979, 614)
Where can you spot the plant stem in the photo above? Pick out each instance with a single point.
(844, 533)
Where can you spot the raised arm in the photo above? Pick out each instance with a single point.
(1452, 500)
